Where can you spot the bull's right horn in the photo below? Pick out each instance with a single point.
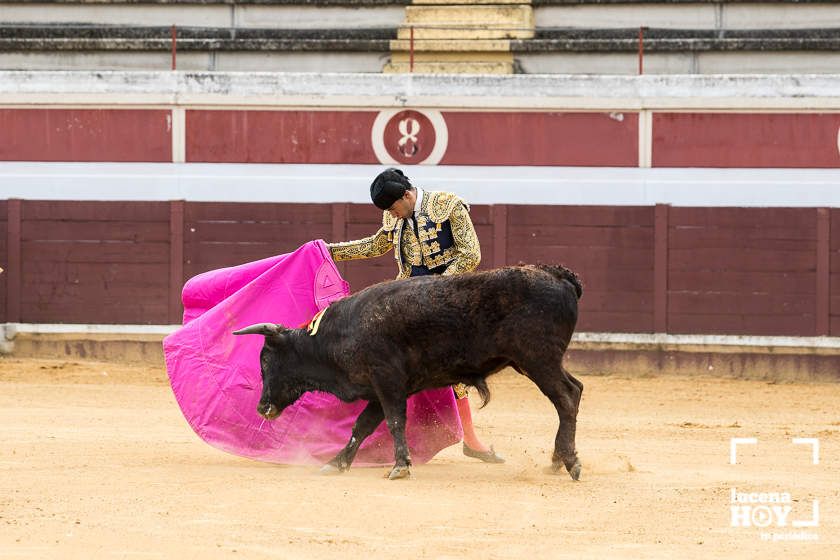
(261, 328)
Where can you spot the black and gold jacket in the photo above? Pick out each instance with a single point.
(444, 243)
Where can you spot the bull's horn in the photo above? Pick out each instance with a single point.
(261, 328)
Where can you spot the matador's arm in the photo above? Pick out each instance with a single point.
(373, 246)
(466, 242)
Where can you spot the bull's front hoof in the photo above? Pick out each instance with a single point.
(574, 471)
(399, 472)
(573, 467)
(330, 470)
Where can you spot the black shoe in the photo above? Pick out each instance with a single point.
(486, 456)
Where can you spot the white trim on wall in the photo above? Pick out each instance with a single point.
(287, 183)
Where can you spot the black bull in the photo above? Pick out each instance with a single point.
(396, 338)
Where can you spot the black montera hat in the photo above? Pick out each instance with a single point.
(388, 187)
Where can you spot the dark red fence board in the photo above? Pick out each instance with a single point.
(85, 135)
(217, 235)
(747, 271)
(762, 260)
(741, 281)
(4, 258)
(280, 136)
(110, 211)
(94, 262)
(610, 248)
(730, 324)
(745, 140)
(541, 138)
(14, 262)
(616, 216)
(742, 270)
(834, 271)
(88, 230)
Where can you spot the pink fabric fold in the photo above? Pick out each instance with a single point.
(215, 375)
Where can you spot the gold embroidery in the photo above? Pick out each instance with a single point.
(461, 391)
(439, 205)
(377, 244)
(430, 248)
(427, 234)
(467, 249)
(411, 248)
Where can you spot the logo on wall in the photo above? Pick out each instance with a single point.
(409, 136)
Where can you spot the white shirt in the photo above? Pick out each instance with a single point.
(418, 204)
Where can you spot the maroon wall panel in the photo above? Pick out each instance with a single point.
(280, 136)
(611, 249)
(217, 235)
(742, 271)
(745, 140)
(4, 258)
(834, 277)
(474, 138)
(94, 262)
(120, 135)
(542, 138)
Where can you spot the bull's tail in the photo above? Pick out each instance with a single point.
(562, 273)
(483, 390)
(267, 329)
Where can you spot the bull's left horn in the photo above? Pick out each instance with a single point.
(261, 328)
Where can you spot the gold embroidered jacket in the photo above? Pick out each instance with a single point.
(445, 241)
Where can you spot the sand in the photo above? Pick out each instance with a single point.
(97, 462)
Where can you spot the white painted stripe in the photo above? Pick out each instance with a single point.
(11, 329)
(179, 135)
(800, 92)
(645, 138)
(710, 340)
(612, 186)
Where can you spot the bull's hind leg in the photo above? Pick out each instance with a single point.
(366, 422)
(564, 392)
(395, 416)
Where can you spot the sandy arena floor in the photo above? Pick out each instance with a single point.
(97, 462)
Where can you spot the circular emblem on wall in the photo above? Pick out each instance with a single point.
(409, 136)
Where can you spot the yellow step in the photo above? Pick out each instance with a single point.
(453, 57)
(452, 45)
(467, 2)
(450, 68)
(520, 16)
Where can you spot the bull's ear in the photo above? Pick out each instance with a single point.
(266, 329)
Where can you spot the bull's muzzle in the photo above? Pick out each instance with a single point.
(268, 411)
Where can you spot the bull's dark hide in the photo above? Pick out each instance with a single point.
(400, 337)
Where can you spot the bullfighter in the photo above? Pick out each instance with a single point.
(431, 233)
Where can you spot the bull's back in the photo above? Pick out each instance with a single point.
(469, 306)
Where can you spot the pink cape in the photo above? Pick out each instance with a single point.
(216, 376)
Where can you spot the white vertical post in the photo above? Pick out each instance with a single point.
(179, 135)
(645, 137)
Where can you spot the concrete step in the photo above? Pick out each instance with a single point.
(450, 68)
(313, 14)
(302, 14)
(698, 14)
